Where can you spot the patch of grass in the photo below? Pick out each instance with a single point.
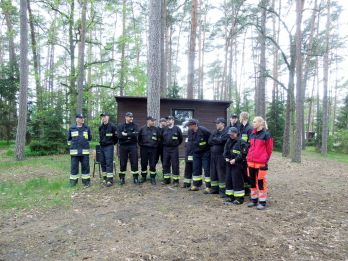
(59, 162)
(39, 192)
(340, 157)
(6, 144)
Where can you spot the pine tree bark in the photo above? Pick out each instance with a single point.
(36, 62)
(81, 58)
(154, 60)
(325, 129)
(24, 72)
(192, 51)
(299, 90)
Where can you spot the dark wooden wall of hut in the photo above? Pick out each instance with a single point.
(204, 111)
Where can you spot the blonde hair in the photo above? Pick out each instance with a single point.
(244, 115)
(262, 121)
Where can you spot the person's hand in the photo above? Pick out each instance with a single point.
(124, 133)
(227, 160)
(232, 161)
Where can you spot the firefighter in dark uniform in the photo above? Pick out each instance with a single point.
(171, 138)
(162, 125)
(148, 139)
(107, 140)
(127, 133)
(217, 142)
(234, 154)
(245, 131)
(198, 138)
(234, 121)
(188, 163)
(79, 137)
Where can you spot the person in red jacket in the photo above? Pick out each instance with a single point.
(260, 151)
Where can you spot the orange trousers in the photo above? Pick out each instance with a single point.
(257, 177)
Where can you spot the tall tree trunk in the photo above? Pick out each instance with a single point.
(34, 47)
(299, 98)
(81, 57)
(24, 72)
(123, 49)
(286, 147)
(325, 83)
(260, 106)
(192, 51)
(307, 65)
(72, 76)
(154, 60)
(164, 50)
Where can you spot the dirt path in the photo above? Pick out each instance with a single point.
(307, 220)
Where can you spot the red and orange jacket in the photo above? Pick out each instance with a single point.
(261, 145)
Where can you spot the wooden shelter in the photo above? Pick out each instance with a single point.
(205, 111)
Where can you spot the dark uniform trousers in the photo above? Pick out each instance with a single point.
(74, 171)
(171, 160)
(128, 151)
(107, 161)
(218, 172)
(234, 181)
(201, 160)
(148, 157)
(188, 170)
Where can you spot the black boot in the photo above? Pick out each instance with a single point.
(153, 180)
(238, 201)
(109, 182)
(252, 203)
(143, 179)
(122, 181)
(229, 200)
(136, 180)
(73, 182)
(86, 182)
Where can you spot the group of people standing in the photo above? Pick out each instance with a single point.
(233, 157)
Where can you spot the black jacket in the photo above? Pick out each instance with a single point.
(78, 139)
(217, 141)
(235, 149)
(132, 133)
(171, 137)
(149, 136)
(107, 134)
(199, 140)
(245, 131)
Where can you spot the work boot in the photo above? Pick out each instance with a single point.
(229, 200)
(153, 180)
(252, 203)
(109, 183)
(143, 179)
(136, 180)
(185, 185)
(238, 201)
(261, 206)
(210, 191)
(86, 183)
(122, 181)
(194, 188)
(73, 182)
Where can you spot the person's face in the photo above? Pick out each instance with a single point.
(80, 121)
(194, 128)
(233, 135)
(256, 124)
(220, 126)
(233, 120)
(170, 122)
(163, 124)
(151, 123)
(105, 119)
(129, 119)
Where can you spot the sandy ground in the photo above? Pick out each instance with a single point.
(307, 219)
